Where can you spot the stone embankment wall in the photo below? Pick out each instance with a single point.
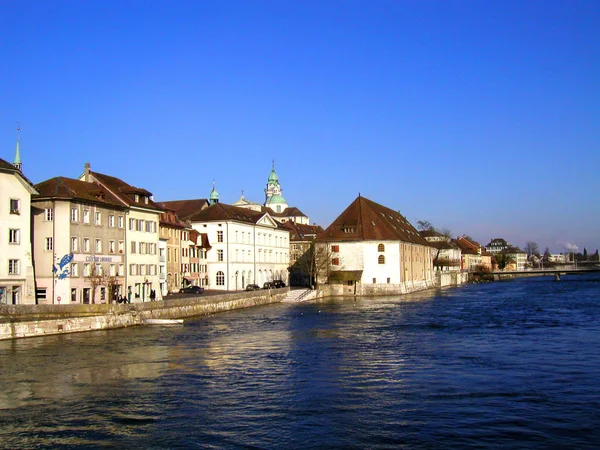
(18, 321)
(441, 279)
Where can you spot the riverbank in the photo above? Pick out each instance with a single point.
(21, 321)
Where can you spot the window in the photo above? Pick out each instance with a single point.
(40, 294)
(86, 270)
(133, 247)
(142, 248)
(86, 216)
(48, 243)
(220, 278)
(132, 269)
(13, 267)
(374, 280)
(381, 259)
(73, 294)
(120, 221)
(121, 246)
(48, 214)
(98, 269)
(132, 224)
(86, 244)
(74, 242)
(148, 226)
(98, 245)
(219, 236)
(15, 206)
(335, 261)
(13, 236)
(74, 270)
(388, 280)
(74, 215)
(381, 248)
(121, 270)
(335, 248)
(98, 218)
(111, 246)
(219, 255)
(86, 295)
(111, 221)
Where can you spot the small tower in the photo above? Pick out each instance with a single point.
(214, 195)
(17, 162)
(273, 197)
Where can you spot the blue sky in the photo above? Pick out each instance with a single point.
(479, 116)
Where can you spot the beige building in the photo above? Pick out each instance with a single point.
(79, 242)
(17, 283)
(171, 229)
(141, 235)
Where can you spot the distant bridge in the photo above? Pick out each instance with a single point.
(557, 272)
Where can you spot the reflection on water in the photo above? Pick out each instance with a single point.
(505, 364)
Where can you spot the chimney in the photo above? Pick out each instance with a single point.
(86, 172)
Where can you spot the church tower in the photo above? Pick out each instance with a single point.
(273, 198)
(214, 195)
(17, 162)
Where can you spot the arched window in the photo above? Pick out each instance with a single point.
(381, 259)
(220, 278)
(381, 248)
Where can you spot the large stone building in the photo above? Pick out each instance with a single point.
(302, 252)
(141, 235)
(246, 246)
(372, 249)
(79, 242)
(17, 283)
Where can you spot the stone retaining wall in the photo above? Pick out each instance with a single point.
(18, 321)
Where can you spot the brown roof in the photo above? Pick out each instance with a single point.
(169, 218)
(222, 211)
(126, 192)
(430, 233)
(366, 220)
(465, 247)
(302, 232)
(443, 245)
(69, 188)
(186, 208)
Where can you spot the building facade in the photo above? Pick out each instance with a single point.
(372, 249)
(246, 246)
(17, 282)
(79, 243)
(141, 235)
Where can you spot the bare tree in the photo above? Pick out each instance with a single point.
(95, 279)
(531, 248)
(424, 225)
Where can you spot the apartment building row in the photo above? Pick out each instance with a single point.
(98, 239)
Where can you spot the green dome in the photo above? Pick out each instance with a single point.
(276, 199)
(214, 195)
(273, 178)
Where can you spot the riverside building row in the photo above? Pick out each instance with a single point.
(96, 239)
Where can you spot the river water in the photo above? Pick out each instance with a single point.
(500, 365)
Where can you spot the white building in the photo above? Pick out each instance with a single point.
(141, 235)
(17, 284)
(372, 249)
(246, 246)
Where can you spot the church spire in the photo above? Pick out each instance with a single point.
(17, 162)
(214, 195)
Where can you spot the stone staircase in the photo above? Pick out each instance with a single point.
(299, 295)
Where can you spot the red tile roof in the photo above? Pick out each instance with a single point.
(186, 208)
(222, 211)
(302, 232)
(125, 191)
(69, 188)
(366, 220)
